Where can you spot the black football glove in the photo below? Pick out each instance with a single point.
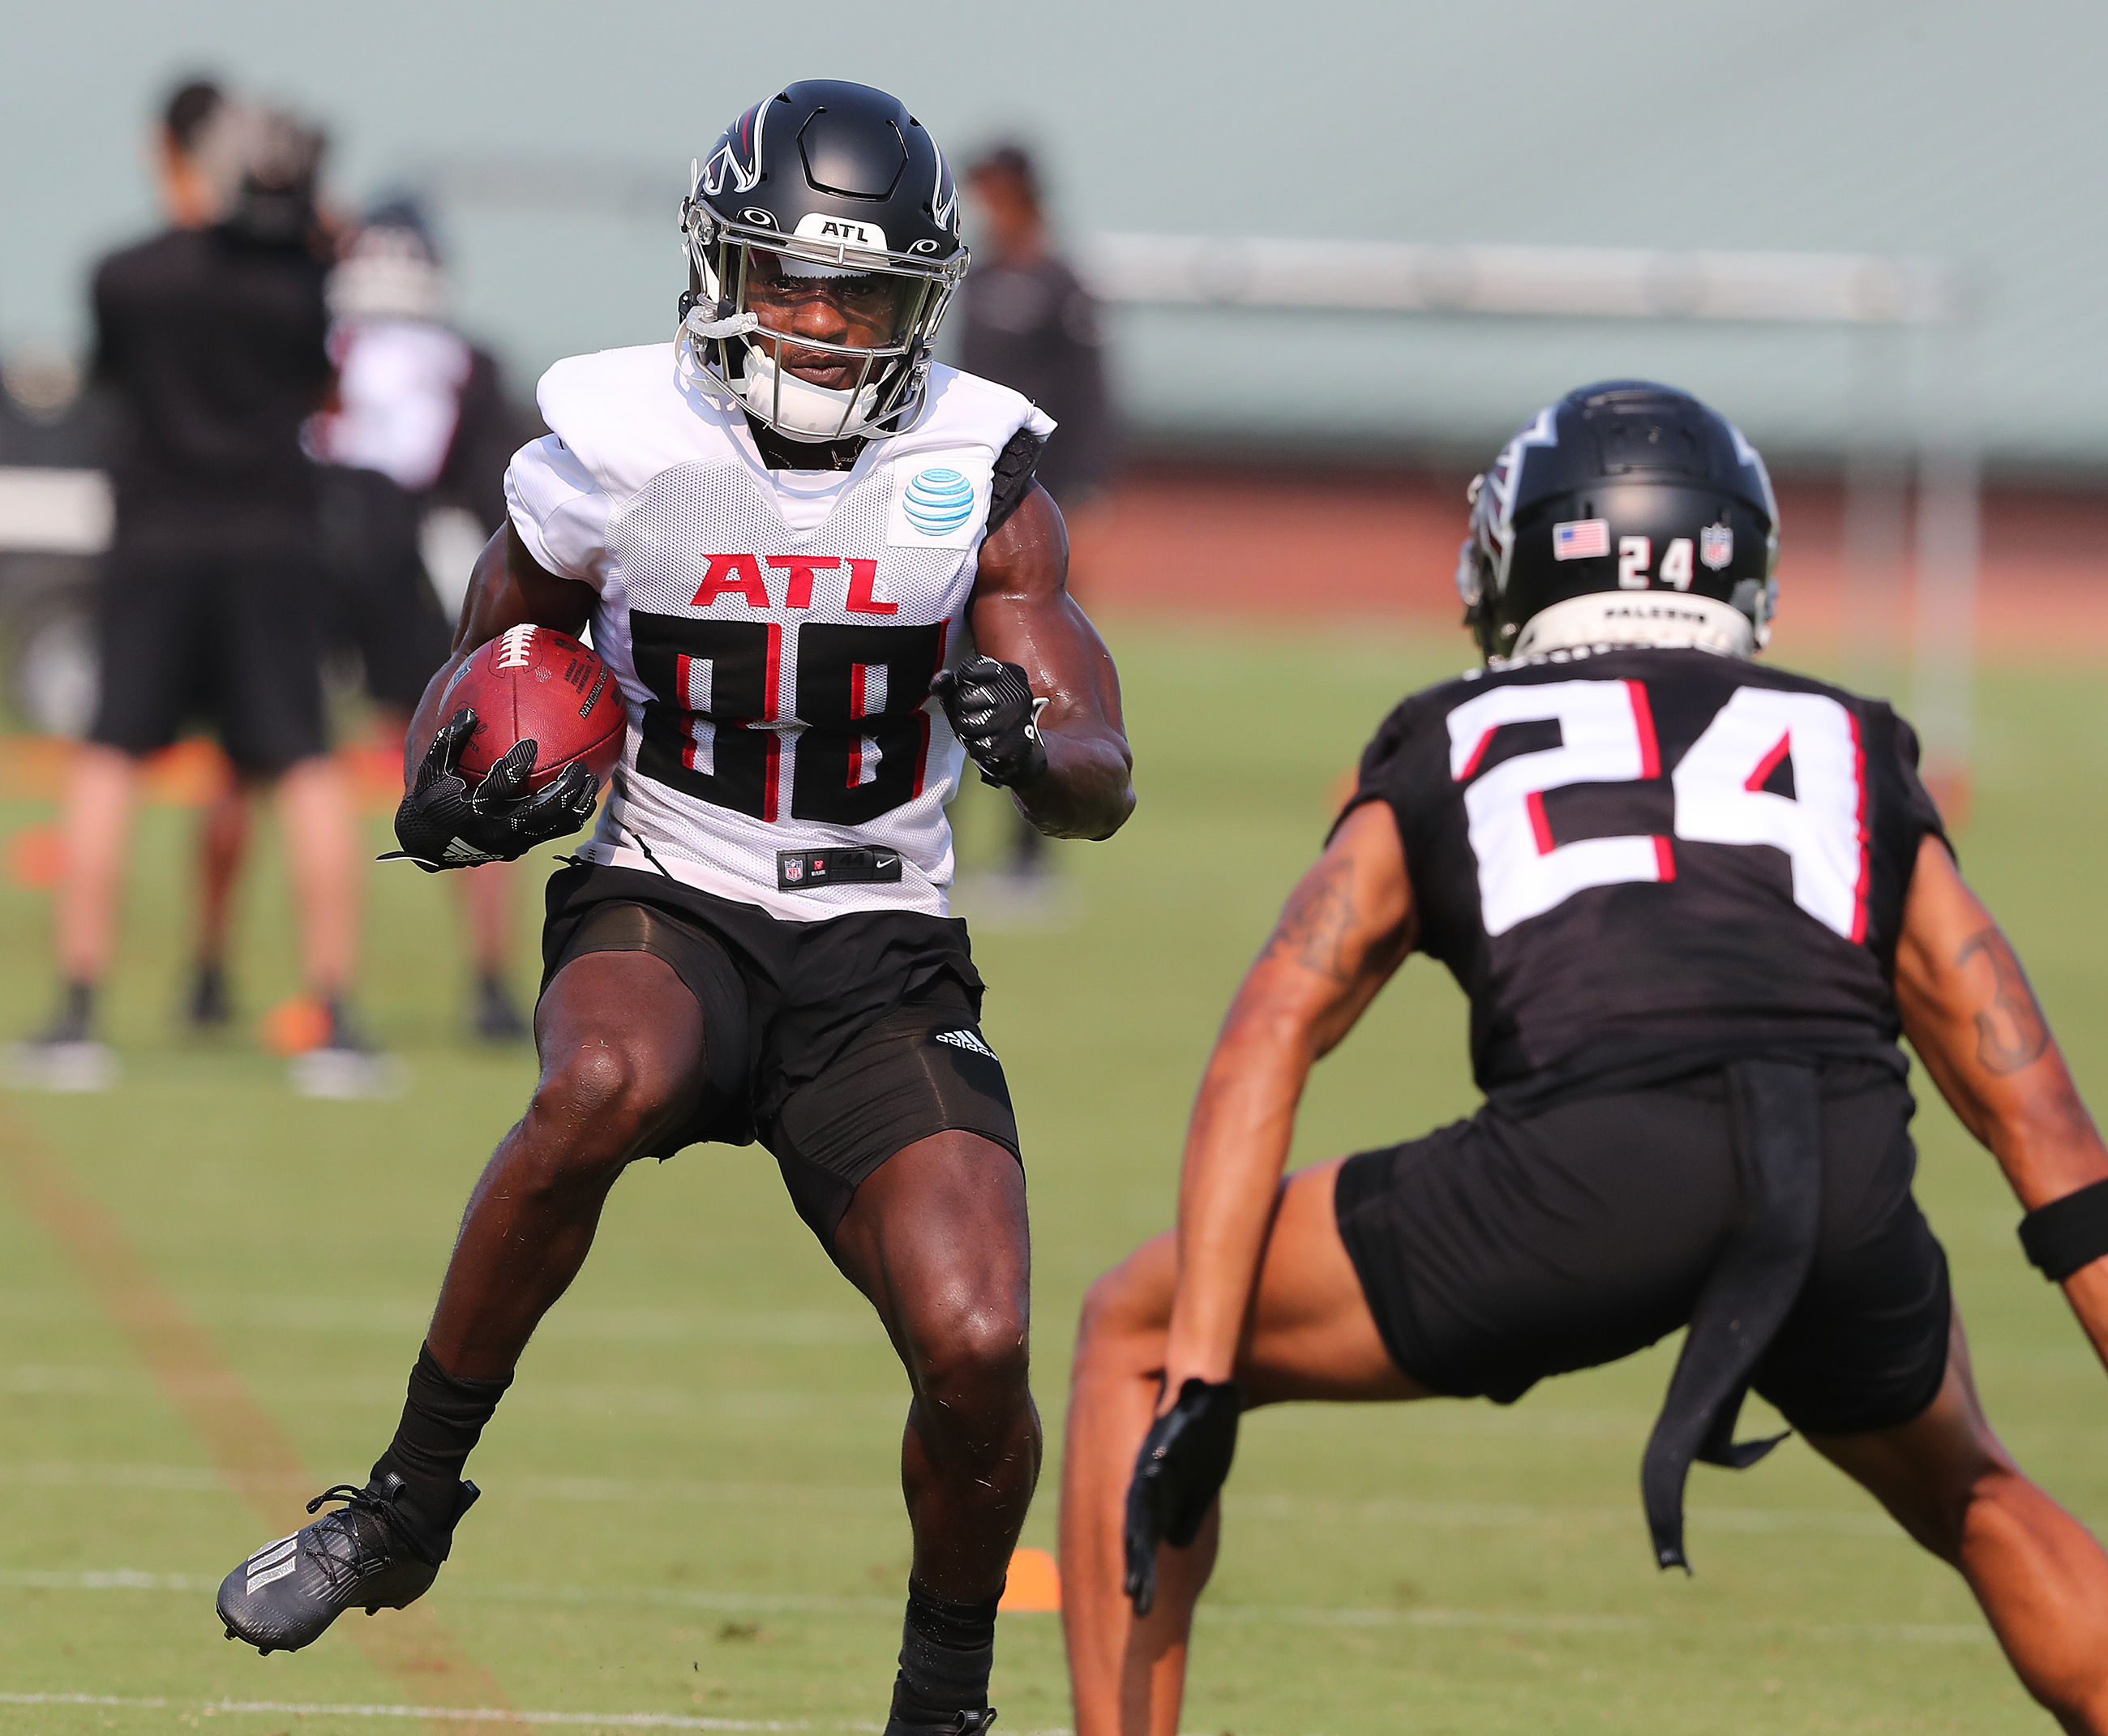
(1177, 1474)
(996, 718)
(442, 823)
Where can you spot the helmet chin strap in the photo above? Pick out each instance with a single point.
(1660, 619)
(797, 407)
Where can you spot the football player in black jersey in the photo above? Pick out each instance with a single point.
(1694, 902)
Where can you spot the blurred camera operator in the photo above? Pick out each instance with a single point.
(210, 340)
(187, 194)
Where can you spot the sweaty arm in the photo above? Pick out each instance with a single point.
(1021, 613)
(1345, 929)
(1968, 1013)
(508, 589)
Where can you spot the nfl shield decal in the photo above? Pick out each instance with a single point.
(1716, 545)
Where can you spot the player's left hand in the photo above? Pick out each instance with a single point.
(996, 718)
(1177, 1474)
(444, 822)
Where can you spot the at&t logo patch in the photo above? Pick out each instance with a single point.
(937, 503)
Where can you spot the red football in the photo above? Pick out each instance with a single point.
(535, 683)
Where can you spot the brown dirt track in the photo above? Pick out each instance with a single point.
(1255, 541)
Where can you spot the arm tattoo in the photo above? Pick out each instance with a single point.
(1315, 928)
(2015, 1033)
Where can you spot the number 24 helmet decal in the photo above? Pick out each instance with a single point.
(823, 234)
(1619, 487)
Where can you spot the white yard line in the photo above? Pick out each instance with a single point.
(442, 1714)
(734, 1603)
(1257, 1505)
(586, 1489)
(717, 1403)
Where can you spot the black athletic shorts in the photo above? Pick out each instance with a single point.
(1498, 1250)
(225, 638)
(836, 1043)
(379, 599)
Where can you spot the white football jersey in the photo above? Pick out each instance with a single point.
(398, 391)
(774, 632)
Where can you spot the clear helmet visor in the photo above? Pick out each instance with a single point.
(817, 338)
(829, 308)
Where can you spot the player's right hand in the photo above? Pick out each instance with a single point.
(443, 823)
(1177, 1474)
(993, 711)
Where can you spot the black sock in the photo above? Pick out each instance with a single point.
(76, 1020)
(947, 1650)
(443, 1418)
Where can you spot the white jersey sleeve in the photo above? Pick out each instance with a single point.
(560, 509)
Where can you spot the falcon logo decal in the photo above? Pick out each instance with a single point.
(737, 162)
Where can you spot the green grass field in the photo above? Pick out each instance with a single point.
(691, 1510)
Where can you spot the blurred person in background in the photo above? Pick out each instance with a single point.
(210, 339)
(1028, 323)
(48, 421)
(419, 418)
(184, 179)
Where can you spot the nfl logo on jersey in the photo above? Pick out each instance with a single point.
(794, 869)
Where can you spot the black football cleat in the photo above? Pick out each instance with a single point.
(959, 1723)
(371, 1552)
(210, 1008)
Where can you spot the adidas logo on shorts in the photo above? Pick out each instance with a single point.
(966, 1040)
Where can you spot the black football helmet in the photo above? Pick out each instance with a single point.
(825, 223)
(389, 266)
(264, 164)
(1622, 486)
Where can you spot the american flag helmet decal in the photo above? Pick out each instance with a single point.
(1581, 539)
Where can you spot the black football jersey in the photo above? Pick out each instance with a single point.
(1639, 863)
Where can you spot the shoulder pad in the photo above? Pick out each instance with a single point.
(1013, 478)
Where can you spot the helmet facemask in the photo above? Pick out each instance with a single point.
(1482, 561)
(868, 317)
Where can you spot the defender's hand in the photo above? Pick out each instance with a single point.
(442, 823)
(1177, 1474)
(996, 718)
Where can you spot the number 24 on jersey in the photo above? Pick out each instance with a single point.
(1607, 735)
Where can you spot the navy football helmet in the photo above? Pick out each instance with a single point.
(823, 245)
(1621, 487)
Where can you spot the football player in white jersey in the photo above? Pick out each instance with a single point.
(818, 567)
